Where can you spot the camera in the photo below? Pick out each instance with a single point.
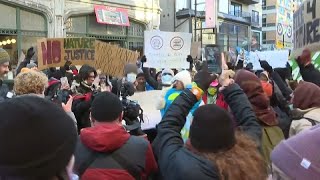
(133, 113)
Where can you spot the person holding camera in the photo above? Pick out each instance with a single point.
(83, 96)
(107, 150)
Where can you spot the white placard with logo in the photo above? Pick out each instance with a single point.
(167, 49)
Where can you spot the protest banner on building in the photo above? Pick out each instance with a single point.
(54, 52)
(167, 49)
(306, 21)
(111, 59)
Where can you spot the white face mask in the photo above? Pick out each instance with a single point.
(166, 79)
(131, 77)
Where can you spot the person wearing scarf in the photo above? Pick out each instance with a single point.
(267, 118)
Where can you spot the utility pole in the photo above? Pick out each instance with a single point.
(195, 21)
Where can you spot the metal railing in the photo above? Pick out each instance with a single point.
(240, 14)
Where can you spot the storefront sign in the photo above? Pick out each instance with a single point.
(111, 15)
(167, 49)
(111, 59)
(55, 52)
(306, 27)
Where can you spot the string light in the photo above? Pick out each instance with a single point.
(8, 41)
(13, 41)
(4, 42)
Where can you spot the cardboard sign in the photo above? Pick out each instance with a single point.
(196, 50)
(55, 52)
(111, 59)
(276, 59)
(306, 21)
(167, 49)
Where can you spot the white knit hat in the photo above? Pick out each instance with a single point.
(184, 77)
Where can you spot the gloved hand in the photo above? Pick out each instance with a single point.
(30, 54)
(190, 60)
(143, 59)
(266, 66)
(203, 79)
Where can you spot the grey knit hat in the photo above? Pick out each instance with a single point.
(4, 56)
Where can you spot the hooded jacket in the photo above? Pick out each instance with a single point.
(105, 140)
(174, 159)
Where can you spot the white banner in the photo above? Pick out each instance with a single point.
(276, 59)
(167, 49)
(151, 115)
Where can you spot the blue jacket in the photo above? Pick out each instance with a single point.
(170, 96)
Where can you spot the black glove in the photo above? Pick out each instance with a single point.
(266, 66)
(203, 79)
(143, 59)
(190, 60)
(30, 54)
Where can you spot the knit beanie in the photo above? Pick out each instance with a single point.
(37, 138)
(298, 157)
(106, 107)
(184, 77)
(212, 129)
(4, 56)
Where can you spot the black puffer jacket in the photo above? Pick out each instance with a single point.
(174, 160)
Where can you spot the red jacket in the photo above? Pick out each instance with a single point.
(108, 138)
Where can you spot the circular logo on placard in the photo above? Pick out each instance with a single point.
(176, 43)
(156, 42)
(280, 29)
(289, 32)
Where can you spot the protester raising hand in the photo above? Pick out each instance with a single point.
(225, 79)
(67, 107)
(203, 78)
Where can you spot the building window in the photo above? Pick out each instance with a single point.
(236, 9)
(264, 21)
(255, 17)
(264, 37)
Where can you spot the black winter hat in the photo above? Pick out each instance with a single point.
(37, 138)
(212, 129)
(106, 107)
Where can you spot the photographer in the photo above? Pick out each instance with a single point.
(120, 157)
(83, 96)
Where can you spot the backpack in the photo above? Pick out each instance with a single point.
(92, 155)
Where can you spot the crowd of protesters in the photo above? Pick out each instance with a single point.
(67, 124)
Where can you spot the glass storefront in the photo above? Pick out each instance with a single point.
(19, 30)
(233, 35)
(86, 26)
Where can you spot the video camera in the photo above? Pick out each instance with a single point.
(133, 113)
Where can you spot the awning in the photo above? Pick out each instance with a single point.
(111, 15)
